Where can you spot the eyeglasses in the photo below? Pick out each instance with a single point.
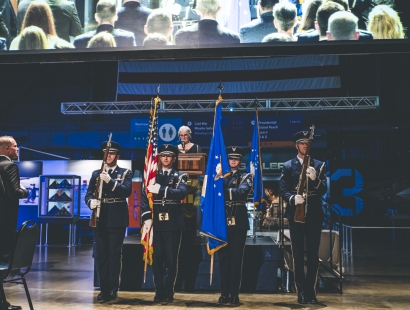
(185, 135)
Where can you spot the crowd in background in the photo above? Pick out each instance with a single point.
(55, 24)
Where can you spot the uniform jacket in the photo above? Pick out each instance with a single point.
(10, 192)
(173, 189)
(114, 214)
(289, 181)
(206, 31)
(65, 15)
(257, 29)
(237, 187)
(122, 38)
(133, 17)
(313, 35)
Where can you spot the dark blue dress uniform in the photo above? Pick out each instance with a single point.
(168, 223)
(113, 221)
(311, 229)
(237, 187)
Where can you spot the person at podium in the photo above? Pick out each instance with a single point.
(237, 187)
(186, 145)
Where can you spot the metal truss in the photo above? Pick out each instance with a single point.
(169, 106)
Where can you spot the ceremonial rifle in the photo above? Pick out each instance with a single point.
(301, 209)
(98, 188)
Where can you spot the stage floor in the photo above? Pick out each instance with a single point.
(378, 277)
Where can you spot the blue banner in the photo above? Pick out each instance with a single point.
(255, 167)
(213, 199)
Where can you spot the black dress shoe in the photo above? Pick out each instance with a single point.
(302, 299)
(223, 299)
(11, 307)
(311, 300)
(169, 298)
(234, 299)
(113, 295)
(102, 296)
(158, 298)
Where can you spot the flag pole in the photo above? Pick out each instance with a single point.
(211, 272)
(146, 256)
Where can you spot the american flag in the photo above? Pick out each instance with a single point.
(150, 173)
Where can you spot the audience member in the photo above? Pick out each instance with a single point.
(106, 15)
(102, 40)
(66, 20)
(39, 14)
(343, 3)
(309, 17)
(132, 16)
(207, 30)
(321, 23)
(8, 22)
(257, 29)
(384, 23)
(159, 21)
(277, 37)
(155, 40)
(285, 18)
(32, 38)
(343, 26)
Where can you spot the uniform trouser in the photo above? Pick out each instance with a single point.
(165, 261)
(109, 243)
(299, 233)
(230, 263)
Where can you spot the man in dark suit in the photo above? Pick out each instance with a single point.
(10, 192)
(8, 21)
(310, 231)
(106, 15)
(207, 30)
(322, 20)
(159, 22)
(237, 187)
(257, 29)
(65, 15)
(132, 17)
(167, 222)
(113, 220)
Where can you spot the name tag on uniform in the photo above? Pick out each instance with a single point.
(231, 221)
(163, 216)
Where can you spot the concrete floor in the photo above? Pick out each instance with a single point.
(377, 277)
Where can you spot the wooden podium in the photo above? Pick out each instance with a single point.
(192, 163)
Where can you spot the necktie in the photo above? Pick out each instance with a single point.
(165, 174)
(109, 171)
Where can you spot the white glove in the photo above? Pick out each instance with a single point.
(154, 188)
(94, 203)
(299, 199)
(147, 225)
(311, 173)
(105, 177)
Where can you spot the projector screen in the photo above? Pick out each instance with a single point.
(170, 26)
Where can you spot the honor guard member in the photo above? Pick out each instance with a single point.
(237, 187)
(167, 221)
(113, 221)
(311, 229)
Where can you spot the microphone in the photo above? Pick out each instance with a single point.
(183, 145)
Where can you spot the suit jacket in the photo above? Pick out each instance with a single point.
(65, 15)
(313, 35)
(122, 38)
(8, 21)
(257, 29)
(237, 187)
(133, 17)
(173, 189)
(206, 31)
(10, 192)
(114, 214)
(3, 44)
(290, 179)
